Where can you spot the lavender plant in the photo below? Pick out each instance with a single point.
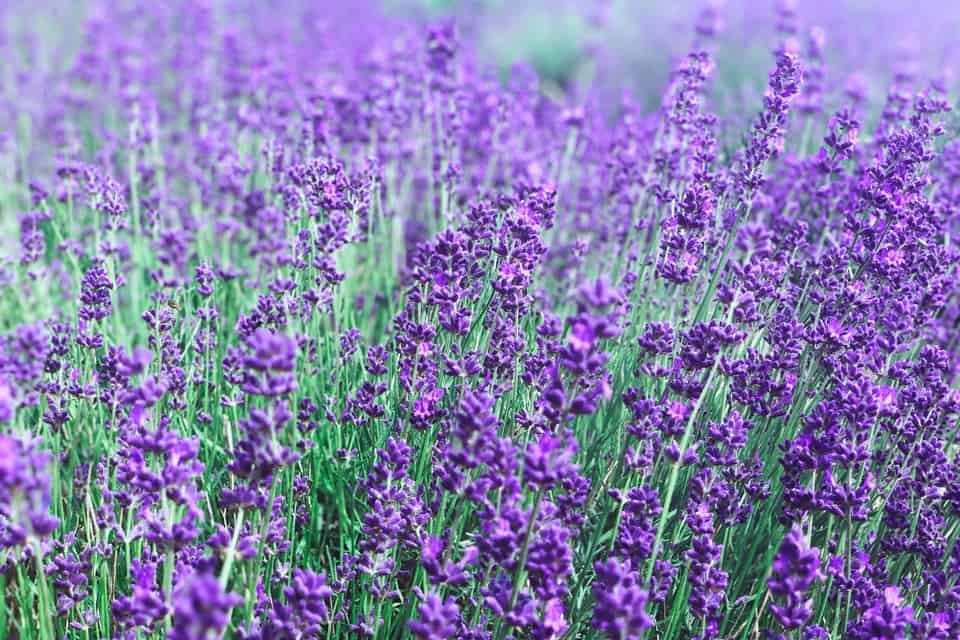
(312, 326)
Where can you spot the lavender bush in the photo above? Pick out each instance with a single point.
(313, 326)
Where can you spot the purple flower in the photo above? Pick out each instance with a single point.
(638, 520)
(549, 460)
(767, 137)
(144, 608)
(7, 404)
(306, 610)
(201, 609)
(270, 362)
(436, 619)
(95, 294)
(886, 619)
(619, 612)
(795, 570)
(24, 492)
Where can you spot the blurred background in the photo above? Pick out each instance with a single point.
(604, 48)
(637, 40)
(558, 37)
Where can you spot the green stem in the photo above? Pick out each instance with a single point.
(45, 612)
(520, 576)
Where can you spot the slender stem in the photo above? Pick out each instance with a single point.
(231, 552)
(519, 576)
(45, 611)
(675, 472)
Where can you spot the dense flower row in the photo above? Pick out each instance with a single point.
(319, 330)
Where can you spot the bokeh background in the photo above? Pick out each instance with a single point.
(601, 52)
(562, 39)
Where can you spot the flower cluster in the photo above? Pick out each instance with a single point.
(315, 325)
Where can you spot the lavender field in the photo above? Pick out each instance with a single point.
(479, 320)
